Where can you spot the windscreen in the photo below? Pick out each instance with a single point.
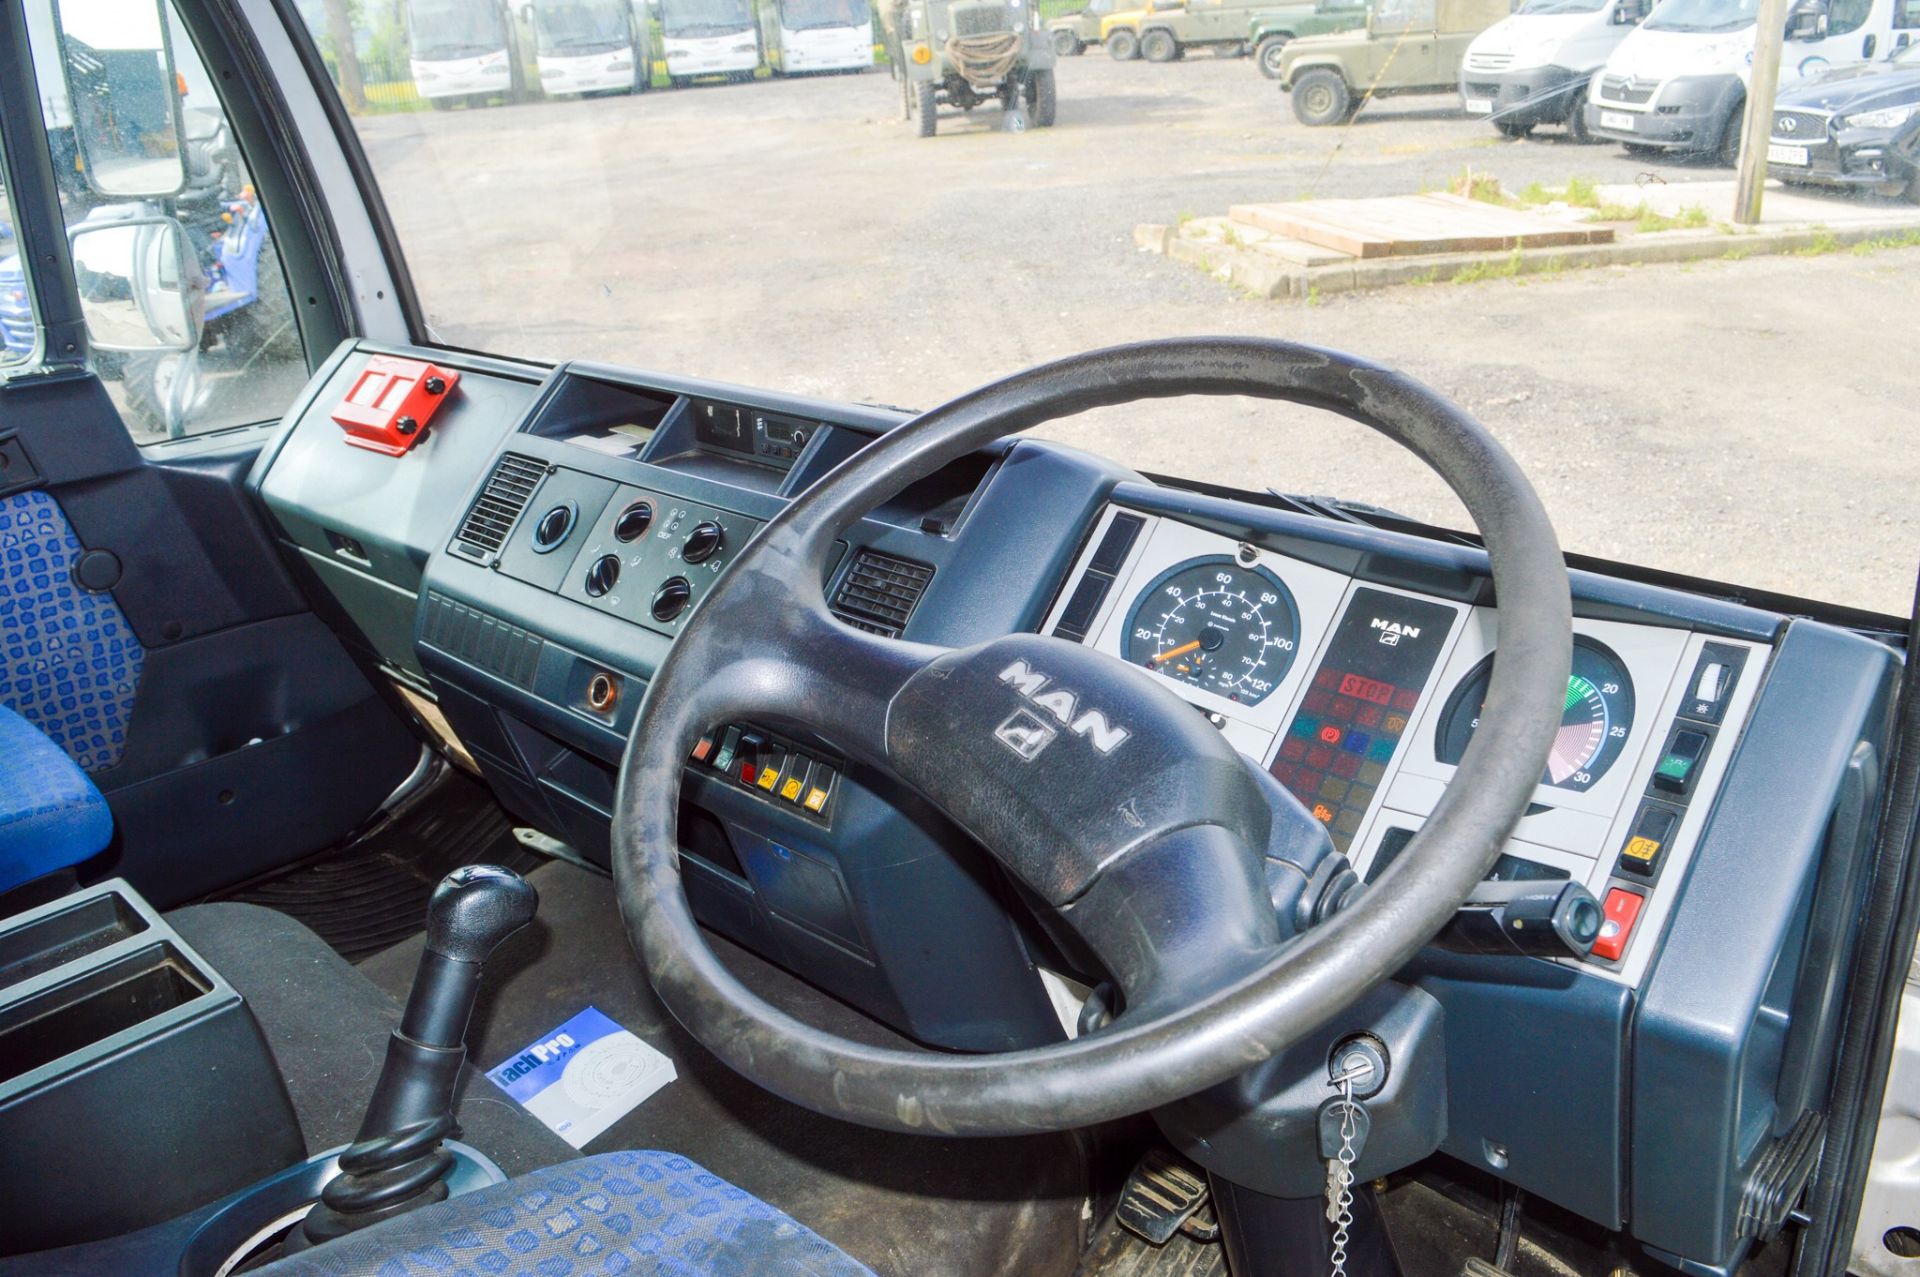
(1552, 244)
(442, 30)
(1703, 15)
(693, 18)
(807, 15)
(1544, 8)
(580, 26)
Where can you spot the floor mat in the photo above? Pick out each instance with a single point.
(373, 894)
(903, 1205)
(1119, 1253)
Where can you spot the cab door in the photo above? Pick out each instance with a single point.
(152, 341)
(1403, 44)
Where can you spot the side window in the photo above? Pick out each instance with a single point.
(19, 330)
(1847, 16)
(1404, 15)
(192, 331)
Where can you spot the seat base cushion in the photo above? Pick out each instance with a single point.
(51, 816)
(631, 1212)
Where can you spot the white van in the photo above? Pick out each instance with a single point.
(1533, 68)
(1679, 81)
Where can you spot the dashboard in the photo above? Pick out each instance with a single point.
(514, 572)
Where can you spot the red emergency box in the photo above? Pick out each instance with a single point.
(391, 401)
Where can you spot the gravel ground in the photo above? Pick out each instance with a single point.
(1728, 419)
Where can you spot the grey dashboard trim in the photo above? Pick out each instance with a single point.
(1707, 1034)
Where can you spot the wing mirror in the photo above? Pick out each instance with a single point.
(124, 96)
(1808, 21)
(140, 286)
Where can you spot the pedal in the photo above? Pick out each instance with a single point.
(1161, 1196)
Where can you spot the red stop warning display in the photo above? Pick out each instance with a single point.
(390, 403)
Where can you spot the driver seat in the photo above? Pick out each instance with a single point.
(631, 1212)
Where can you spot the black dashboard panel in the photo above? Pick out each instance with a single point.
(527, 566)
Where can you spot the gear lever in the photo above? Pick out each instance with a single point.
(397, 1161)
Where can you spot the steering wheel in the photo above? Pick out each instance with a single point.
(1134, 821)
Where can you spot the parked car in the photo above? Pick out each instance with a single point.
(1679, 81)
(1854, 127)
(1534, 67)
(1073, 32)
(1269, 29)
(1407, 46)
(1167, 34)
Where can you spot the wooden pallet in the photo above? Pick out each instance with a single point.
(1410, 225)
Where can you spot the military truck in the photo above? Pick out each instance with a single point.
(1071, 33)
(1164, 32)
(966, 53)
(1268, 30)
(1406, 46)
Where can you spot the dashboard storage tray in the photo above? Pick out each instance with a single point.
(118, 1039)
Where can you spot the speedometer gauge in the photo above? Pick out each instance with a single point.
(1594, 722)
(1214, 624)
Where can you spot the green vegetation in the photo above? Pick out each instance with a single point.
(1489, 269)
(1645, 220)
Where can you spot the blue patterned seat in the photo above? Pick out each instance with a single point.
(636, 1214)
(51, 816)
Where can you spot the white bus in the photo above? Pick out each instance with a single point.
(819, 35)
(589, 46)
(461, 50)
(709, 37)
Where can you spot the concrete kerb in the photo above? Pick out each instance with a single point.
(1263, 276)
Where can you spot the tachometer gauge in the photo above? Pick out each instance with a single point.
(1593, 724)
(1214, 624)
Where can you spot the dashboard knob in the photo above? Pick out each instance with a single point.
(671, 599)
(703, 542)
(553, 527)
(603, 574)
(633, 521)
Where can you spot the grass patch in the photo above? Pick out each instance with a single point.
(1824, 242)
(1906, 239)
(1484, 187)
(1479, 272)
(1646, 221)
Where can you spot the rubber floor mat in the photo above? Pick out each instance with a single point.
(373, 894)
(1119, 1253)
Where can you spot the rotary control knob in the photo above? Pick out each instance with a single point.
(633, 521)
(703, 542)
(603, 574)
(553, 527)
(671, 599)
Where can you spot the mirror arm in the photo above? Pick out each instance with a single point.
(36, 199)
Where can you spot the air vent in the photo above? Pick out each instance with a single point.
(879, 591)
(499, 504)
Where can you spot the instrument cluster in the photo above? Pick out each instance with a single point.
(1361, 697)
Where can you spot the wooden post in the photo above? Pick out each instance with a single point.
(1768, 37)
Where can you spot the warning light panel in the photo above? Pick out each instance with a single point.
(1334, 755)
